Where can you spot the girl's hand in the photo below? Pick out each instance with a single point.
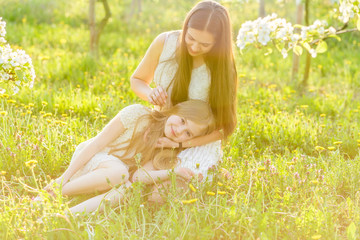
(157, 96)
(165, 142)
(59, 182)
(185, 173)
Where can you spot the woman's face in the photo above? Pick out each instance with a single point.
(198, 42)
(180, 129)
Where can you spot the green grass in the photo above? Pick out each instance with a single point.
(294, 157)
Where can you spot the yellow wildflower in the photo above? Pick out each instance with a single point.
(315, 237)
(192, 187)
(3, 113)
(314, 182)
(337, 142)
(261, 169)
(319, 148)
(31, 163)
(189, 201)
(323, 115)
(2, 173)
(210, 193)
(221, 192)
(220, 184)
(331, 148)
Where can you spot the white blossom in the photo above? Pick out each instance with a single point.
(313, 53)
(332, 31)
(284, 53)
(12, 63)
(348, 9)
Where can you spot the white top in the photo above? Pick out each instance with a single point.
(165, 71)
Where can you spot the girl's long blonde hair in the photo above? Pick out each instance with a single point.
(144, 140)
(212, 17)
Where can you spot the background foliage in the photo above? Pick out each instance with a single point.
(294, 157)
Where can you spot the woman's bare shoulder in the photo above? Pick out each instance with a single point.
(161, 38)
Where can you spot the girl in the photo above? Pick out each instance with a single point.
(194, 63)
(104, 161)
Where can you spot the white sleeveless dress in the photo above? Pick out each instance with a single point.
(128, 116)
(198, 159)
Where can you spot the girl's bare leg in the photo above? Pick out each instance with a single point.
(112, 172)
(114, 197)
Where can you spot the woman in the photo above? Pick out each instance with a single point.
(103, 162)
(194, 63)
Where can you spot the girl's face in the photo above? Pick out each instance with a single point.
(198, 42)
(180, 129)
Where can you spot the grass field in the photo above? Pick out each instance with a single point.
(294, 157)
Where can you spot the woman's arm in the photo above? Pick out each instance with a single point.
(197, 141)
(110, 132)
(202, 140)
(144, 73)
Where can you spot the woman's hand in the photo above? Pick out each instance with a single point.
(165, 142)
(157, 96)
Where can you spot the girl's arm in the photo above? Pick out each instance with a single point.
(144, 73)
(197, 141)
(148, 174)
(110, 132)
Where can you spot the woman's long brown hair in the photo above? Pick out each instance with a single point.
(144, 139)
(212, 17)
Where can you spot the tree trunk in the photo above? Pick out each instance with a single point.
(134, 8)
(308, 56)
(92, 25)
(262, 8)
(95, 31)
(296, 58)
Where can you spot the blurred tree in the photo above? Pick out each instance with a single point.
(135, 8)
(262, 12)
(299, 18)
(308, 55)
(96, 30)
